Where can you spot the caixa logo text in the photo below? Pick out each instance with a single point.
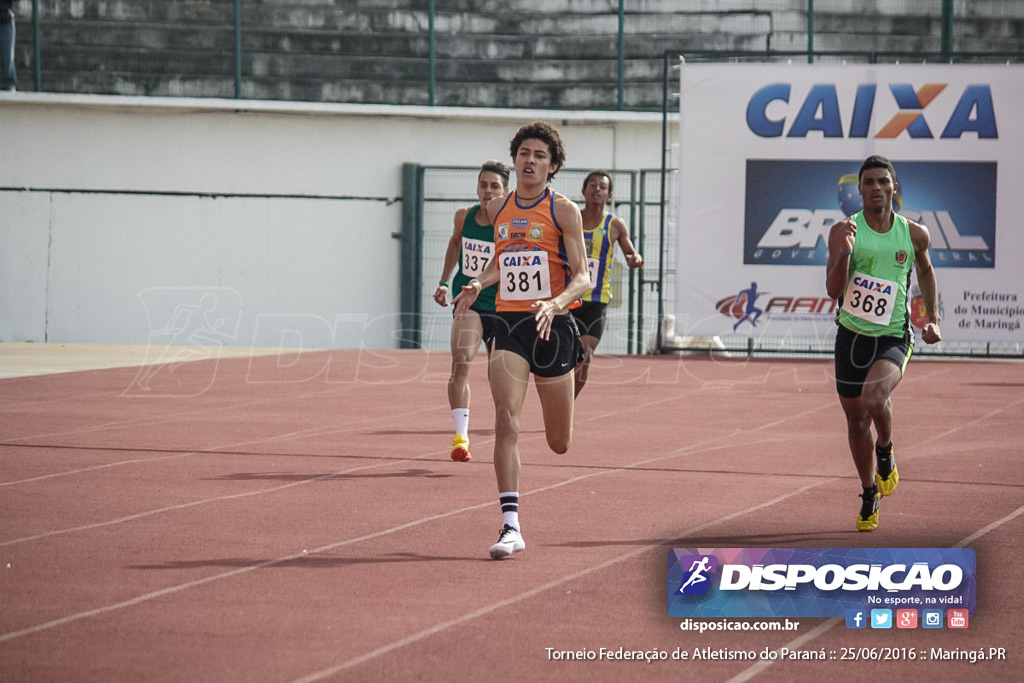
(822, 110)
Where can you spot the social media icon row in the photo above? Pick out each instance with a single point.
(905, 618)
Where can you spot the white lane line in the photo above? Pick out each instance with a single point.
(826, 625)
(224, 575)
(212, 450)
(484, 610)
(814, 633)
(437, 628)
(319, 431)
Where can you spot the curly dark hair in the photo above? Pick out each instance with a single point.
(877, 161)
(541, 130)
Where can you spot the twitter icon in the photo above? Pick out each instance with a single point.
(881, 618)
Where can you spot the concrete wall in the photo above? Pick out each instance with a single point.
(218, 222)
(545, 54)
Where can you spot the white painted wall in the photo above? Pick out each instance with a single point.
(120, 220)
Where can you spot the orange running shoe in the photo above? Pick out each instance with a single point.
(460, 449)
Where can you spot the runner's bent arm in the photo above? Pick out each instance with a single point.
(926, 281)
(451, 257)
(840, 247)
(569, 219)
(617, 233)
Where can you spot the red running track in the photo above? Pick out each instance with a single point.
(297, 518)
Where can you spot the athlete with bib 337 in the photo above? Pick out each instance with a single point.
(470, 247)
(870, 258)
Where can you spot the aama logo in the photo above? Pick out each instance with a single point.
(821, 111)
(698, 567)
(739, 306)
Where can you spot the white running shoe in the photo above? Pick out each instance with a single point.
(509, 541)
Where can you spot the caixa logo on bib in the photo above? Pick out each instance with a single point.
(817, 582)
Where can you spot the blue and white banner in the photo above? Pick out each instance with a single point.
(787, 224)
(769, 156)
(818, 582)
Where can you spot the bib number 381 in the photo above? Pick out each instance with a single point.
(525, 276)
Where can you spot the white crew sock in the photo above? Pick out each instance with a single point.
(460, 416)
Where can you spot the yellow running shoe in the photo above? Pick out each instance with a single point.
(867, 520)
(460, 449)
(886, 474)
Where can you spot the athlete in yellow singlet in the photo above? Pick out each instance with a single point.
(601, 232)
(541, 270)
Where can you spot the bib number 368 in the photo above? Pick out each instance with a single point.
(871, 299)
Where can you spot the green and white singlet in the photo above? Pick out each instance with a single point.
(475, 253)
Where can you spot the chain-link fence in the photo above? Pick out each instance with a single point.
(634, 309)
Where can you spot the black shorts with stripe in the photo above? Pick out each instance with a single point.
(558, 355)
(856, 353)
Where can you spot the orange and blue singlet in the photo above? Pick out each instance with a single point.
(530, 249)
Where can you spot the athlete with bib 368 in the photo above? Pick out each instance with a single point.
(870, 259)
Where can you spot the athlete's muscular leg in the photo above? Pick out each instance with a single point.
(873, 406)
(465, 342)
(557, 404)
(510, 375)
(583, 369)
(878, 387)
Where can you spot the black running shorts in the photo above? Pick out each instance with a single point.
(558, 355)
(487, 321)
(590, 318)
(856, 353)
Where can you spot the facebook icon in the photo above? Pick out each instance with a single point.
(856, 618)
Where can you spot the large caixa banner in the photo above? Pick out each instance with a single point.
(769, 155)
